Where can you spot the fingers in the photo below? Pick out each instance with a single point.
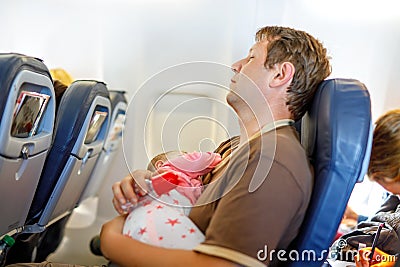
(362, 259)
(117, 206)
(118, 192)
(380, 258)
(123, 192)
(359, 264)
(384, 264)
(350, 214)
(129, 189)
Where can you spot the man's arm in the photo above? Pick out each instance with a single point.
(126, 251)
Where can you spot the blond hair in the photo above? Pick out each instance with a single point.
(385, 156)
(162, 157)
(61, 75)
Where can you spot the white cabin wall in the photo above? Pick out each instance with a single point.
(362, 37)
(125, 42)
(157, 38)
(61, 33)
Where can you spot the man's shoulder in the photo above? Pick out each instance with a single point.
(288, 142)
(290, 155)
(281, 140)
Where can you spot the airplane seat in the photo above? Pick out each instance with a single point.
(80, 129)
(79, 134)
(86, 213)
(337, 135)
(111, 145)
(27, 112)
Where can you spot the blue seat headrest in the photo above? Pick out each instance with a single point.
(116, 97)
(336, 134)
(74, 106)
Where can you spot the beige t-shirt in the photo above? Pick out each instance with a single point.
(244, 226)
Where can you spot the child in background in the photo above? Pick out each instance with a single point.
(384, 168)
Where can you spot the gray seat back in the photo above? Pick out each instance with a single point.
(27, 111)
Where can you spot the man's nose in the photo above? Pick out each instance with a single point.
(237, 66)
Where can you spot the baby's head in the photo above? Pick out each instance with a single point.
(160, 159)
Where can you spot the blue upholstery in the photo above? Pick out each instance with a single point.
(117, 97)
(22, 158)
(72, 118)
(111, 145)
(337, 135)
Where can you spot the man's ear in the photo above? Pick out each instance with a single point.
(158, 164)
(284, 74)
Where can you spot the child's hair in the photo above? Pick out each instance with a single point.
(61, 75)
(385, 156)
(162, 157)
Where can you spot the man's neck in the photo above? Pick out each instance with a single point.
(249, 127)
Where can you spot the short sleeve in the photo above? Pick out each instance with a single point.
(246, 225)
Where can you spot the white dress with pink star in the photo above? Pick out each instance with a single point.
(163, 222)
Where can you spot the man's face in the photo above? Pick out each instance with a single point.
(251, 78)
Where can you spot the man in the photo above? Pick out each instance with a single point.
(255, 202)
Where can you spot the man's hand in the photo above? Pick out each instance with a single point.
(380, 258)
(129, 189)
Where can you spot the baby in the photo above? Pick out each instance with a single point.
(161, 219)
